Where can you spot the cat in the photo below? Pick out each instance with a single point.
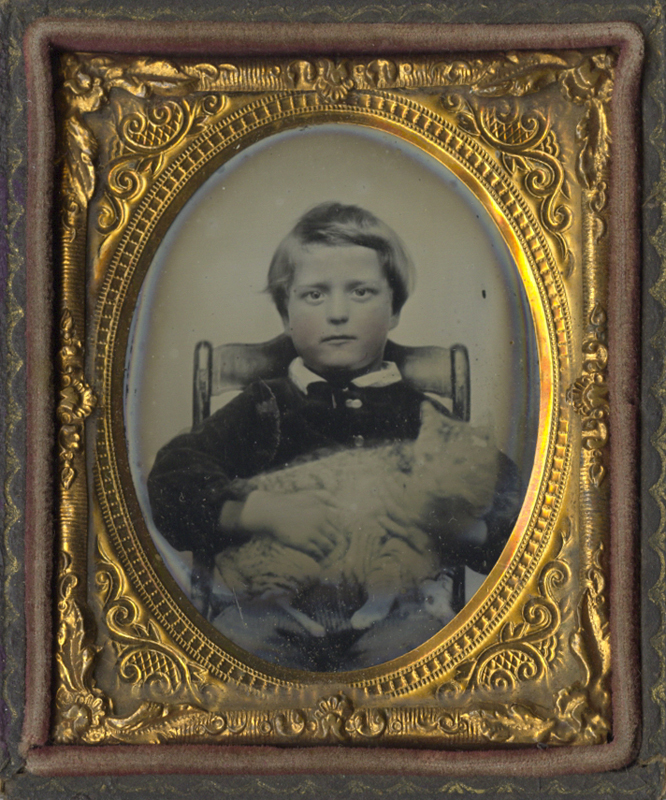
(393, 499)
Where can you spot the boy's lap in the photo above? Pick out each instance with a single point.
(407, 627)
(265, 629)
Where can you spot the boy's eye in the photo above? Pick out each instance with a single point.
(312, 294)
(363, 291)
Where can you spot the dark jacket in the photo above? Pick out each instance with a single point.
(271, 424)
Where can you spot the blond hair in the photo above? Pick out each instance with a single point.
(335, 224)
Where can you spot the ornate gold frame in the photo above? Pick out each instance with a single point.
(530, 133)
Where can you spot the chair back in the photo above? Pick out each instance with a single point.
(443, 371)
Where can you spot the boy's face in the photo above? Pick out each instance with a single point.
(339, 308)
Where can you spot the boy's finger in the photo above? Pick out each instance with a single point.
(391, 526)
(395, 512)
(418, 542)
(330, 531)
(326, 497)
(312, 549)
(323, 541)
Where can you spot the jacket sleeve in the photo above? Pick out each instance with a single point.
(197, 472)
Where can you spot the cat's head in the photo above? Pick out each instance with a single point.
(440, 436)
(437, 596)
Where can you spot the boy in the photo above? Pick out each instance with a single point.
(339, 281)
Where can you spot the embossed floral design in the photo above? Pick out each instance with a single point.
(81, 706)
(573, 720)
(87, 87)
(76, 399)
(527, 148)
(333, 82)
(81, 718)
(144, 140)
(146, 659)
(589, 395)
(367, 722)
(330, 717)
(523, 651)
(291, 723)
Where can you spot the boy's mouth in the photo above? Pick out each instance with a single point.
(338, 338)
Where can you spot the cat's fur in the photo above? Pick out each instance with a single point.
(386, 494)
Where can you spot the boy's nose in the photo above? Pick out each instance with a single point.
(337, 309)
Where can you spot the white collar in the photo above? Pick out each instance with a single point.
(386, 375)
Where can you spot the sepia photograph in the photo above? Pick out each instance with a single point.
(332, 398)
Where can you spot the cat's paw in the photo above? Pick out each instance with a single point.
(309, 624)
(373, 611)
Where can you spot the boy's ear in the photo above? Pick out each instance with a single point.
(395, 319)
(285, 325)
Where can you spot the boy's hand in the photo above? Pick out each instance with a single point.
(306, 521)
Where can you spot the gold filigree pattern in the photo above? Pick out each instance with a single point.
(528, 149)
(145, 656)
(591, 639)
(81, 707)
(590, 86)
(461, 148)
(144, 138)
(76, 399)
(83, 713)
(572, 721)
(88, 81)
(87, 85)
(589, 394)
(525, 651)
(514, 73)
(181, 117)
(86, 715)
(586, 82)
(81, 94)
(531, 650)
(332, 81)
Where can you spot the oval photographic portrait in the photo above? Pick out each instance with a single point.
(331, 398)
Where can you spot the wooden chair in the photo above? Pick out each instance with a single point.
(441, 371)
(232, 367)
